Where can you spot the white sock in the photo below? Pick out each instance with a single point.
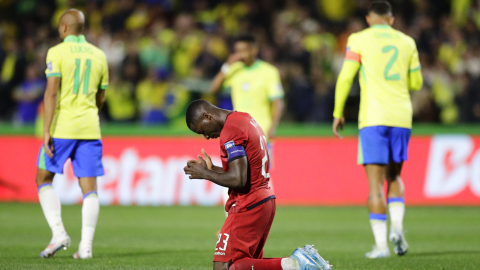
(52, 209)
(379, 229)
(290, 264)
(396, 208)
(90, 211)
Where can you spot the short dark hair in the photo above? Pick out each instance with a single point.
(380, 7)
(193, 111)
(246, 37)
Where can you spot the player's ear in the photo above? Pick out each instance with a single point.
(207, 116)
(391, 20)
(367, 18)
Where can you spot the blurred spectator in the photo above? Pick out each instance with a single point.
(12, 71)
(29, 94)
(151, 95)
(300, 94)
(120, 99)
(189, 41)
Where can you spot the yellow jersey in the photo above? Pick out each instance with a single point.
(389, 69)
(253, 89)
(83, 70)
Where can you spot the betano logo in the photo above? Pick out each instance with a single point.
(453, 166)
(131, 179)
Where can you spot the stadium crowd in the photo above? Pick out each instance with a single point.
(164, 53)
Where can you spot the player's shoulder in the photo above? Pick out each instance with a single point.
(237, 120)
(97, 51)
(360, 34)
(408, 39)
(267, 67)
(57, 48)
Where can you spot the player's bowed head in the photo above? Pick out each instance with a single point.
(208, 120)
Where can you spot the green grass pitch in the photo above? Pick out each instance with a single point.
(184, 237)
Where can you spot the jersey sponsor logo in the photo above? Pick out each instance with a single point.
(229, 144)
(49, 66)
(453, 166)
(135, 179)
(220, 253)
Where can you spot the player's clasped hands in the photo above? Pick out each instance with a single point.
(195, 168)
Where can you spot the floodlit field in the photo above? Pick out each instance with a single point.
(184, 237)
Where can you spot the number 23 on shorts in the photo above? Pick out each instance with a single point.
(225, 237)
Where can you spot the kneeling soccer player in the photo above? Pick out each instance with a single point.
(251, 203)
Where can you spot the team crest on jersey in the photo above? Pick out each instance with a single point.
(49, 66)
(229, 144)
(246, 86)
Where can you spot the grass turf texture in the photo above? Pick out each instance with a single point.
(184, 237)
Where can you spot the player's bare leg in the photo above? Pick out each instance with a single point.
(377, 209)
(396, 207)
(52, 210)
(90, 210)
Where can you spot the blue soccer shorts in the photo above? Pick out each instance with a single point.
(382, 144)
(86, 156)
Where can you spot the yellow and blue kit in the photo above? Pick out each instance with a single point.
(75, 127)
(389, 68)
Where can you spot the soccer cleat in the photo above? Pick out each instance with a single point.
(83, 254)
(55, 245)
(324, 265)
(308, 260)
(400, 245)
(378, 253)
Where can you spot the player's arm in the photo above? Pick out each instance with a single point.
(222, 75)
(350, 67)
(100, 96)
(275, 94)
(54, 77)
(277, 110)
(49, 104)
(415, 78)
(235, 177)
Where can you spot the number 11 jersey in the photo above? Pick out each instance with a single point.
(83, 70)
(242, 136)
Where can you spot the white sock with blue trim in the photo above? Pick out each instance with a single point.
(379, 229)
(52, 209)
(396, 208)
(90, 210)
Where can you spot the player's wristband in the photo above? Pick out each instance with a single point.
(225, 68)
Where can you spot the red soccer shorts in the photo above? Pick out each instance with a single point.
(244, 234)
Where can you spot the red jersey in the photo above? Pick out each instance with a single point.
(242, 136)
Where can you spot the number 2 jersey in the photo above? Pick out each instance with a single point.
(83, 70)
(242, 136)
(389, 69)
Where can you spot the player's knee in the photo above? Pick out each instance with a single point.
(220, 265)
(392, 176)
(43, 177)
